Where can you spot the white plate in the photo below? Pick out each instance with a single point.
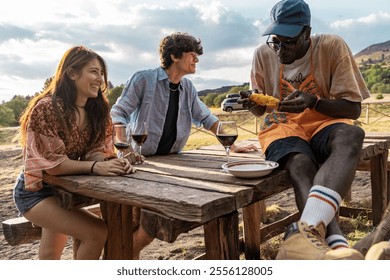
(250, 168)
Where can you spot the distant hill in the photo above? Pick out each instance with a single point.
(219, 90)
(376, 53)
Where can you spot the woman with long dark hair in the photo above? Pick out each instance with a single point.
(66, 130)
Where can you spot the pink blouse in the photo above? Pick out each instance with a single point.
(48, 145)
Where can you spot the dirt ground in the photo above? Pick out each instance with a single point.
(188, 246)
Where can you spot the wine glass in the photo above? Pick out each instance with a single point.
(227, 135)
(120, 139)
(139, 133)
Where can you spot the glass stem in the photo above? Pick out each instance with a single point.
(227, 153)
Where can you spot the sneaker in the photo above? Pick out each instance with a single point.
(379, 251)
(304, 242)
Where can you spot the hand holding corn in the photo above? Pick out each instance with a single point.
(258, 98)
(264, 100)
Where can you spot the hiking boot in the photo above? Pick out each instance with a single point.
(379, 251)
(304, 242)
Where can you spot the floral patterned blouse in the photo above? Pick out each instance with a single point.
(48, 145)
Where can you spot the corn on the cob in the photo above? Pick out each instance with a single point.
(264, 100)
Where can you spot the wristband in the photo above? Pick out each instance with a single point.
(93, 164)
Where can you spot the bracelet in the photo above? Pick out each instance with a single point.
(93, 164)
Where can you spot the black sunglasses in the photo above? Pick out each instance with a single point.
(276, 46)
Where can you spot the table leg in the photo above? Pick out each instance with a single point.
(379, 186)
(119, 220)
(251, 216)
(221, 238)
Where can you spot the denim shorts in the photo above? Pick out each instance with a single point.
(316, 149)
(25, 200)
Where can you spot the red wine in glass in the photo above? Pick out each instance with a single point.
(120, 139)
(139, 133)
(139, 138)
(121, 146)
(227, 135)
(226, 140)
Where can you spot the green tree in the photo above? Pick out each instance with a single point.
(209, 99)
(7, 117)
(17, 104)
(379, 96)
(236, 89)
(114, 93)
(385, 76)
(218, 100)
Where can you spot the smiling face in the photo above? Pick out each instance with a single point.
(88, 80)
(187, 63)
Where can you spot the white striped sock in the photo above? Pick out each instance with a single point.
(336, 241)
(321, 206)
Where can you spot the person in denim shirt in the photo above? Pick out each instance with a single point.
(169, 103)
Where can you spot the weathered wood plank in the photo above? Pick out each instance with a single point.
(278, 227)
(70, 201)
(251, 217)
(190, 204)
(221, 238)
(379, 186)
(119, 219)
(365, 165)
(165, 228)
(377, 135)
(20, 231)
(353, 213)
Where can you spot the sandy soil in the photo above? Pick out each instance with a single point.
(187, 246)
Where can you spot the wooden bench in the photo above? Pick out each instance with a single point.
(21, 231)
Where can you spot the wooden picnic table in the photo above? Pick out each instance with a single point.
(191, 188)
(188, 187)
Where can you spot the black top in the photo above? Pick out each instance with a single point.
(168, 137)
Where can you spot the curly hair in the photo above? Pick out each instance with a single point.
(176, 44)
(63, 90)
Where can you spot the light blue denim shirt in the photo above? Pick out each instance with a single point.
(145, 97)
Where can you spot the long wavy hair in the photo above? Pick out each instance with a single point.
(62, 89)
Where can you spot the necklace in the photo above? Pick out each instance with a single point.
(175, 87)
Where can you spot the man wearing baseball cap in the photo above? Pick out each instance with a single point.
(310, 134)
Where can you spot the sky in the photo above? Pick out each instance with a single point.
(34, 34)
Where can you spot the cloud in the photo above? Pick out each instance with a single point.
(127, 35)
(364, 31)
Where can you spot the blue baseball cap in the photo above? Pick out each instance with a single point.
(288, 17)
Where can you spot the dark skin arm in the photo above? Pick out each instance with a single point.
(298, 101)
